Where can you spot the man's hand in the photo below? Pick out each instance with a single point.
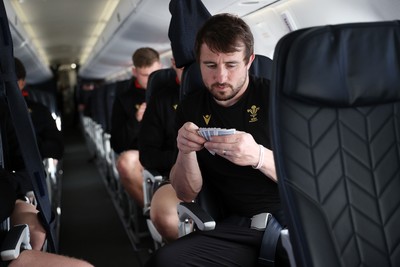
(239, 148)
(185, 174)
(188, 139)
(140, 111)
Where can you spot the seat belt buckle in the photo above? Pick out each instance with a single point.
(17, 239)
(259, 222)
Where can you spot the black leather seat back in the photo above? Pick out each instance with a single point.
(261, 66)
(98, 106)
(191, 80)
(160, 80)
(187, 17)
(335, 105)
(110, 94)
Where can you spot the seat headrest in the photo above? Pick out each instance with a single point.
(187, 16)
(346, 64)
(261, 67)
(159, 80)
(191, 80)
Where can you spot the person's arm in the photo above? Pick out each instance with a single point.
(242, 149)
(185, 174)
(268, 164)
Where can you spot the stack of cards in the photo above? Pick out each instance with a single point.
(208, 132)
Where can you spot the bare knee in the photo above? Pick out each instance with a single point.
(127, 162)
(163, 212)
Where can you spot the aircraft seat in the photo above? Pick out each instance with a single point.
(99, 117)
(191, 80)
(261, 66)
(163, 79)
(159, 80)
(207, 209)
(335, 101)
(111, 156)
(109, 95)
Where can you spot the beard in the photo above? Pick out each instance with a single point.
(229, 91)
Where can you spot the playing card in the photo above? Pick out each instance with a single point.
(225, 131)
(208, 132)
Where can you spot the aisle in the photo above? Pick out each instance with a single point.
(90, 226)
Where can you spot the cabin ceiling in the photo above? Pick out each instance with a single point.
(62, 32)
(101, 35)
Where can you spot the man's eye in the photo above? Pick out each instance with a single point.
(211, 66)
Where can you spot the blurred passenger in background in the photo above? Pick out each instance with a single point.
(49, 138)
(127, 113)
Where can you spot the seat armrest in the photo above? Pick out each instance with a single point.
(151, 180)
(153, 176)
(17, 239)
(191, 210)
(287, 245)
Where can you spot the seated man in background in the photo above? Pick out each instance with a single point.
(127, 113)
(238, 168)
(49, 138)
(14, 183)
(157, 152)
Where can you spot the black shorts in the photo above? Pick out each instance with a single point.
(231, 243)
(164, 181)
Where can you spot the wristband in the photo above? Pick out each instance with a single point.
(261, 158)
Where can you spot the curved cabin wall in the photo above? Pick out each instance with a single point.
(271, 23)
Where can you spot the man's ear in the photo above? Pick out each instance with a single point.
(251, 59)
(134, 72)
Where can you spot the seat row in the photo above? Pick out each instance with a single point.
(96, 125)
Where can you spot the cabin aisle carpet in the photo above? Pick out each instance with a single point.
(90, 226)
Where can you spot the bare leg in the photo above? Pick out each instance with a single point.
(130, 172)
(34, 258)
(163, 212)
(25, 213)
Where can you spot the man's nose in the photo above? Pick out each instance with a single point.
(221, 74)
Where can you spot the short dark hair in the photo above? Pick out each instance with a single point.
(19, 69)
(225, 33)
(145, 57)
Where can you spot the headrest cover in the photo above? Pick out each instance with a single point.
(163, 79)
(347, 64)
(191, 80)
(261, 67)
(187, 17)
